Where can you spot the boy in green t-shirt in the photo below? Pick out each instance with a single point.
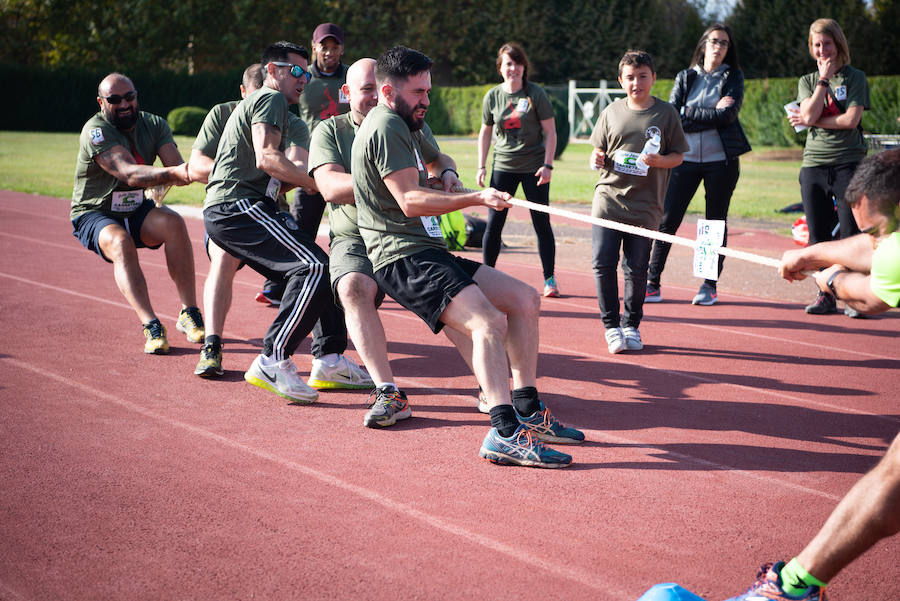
(631, 189)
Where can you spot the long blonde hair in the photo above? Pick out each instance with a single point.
(831, 28)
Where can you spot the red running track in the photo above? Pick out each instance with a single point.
(726, 443)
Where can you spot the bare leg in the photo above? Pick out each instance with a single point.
(357, 293)
(462, 343)
(165, 226)
(868, 513)
(472, 313)
(217, 289)
(117, 246)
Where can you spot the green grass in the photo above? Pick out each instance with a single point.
(44, 163)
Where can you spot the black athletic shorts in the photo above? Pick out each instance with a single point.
(87, 227)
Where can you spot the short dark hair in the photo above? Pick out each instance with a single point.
(517, 54)
(878, 178)
(636, 58)
(253, 76)
(278, 52)
(401, 62)
(731, 57)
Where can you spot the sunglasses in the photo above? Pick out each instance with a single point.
(117, 98)
(296, 70)
(722, 43)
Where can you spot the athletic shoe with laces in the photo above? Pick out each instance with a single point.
(346, 373)
(522, 448)
(191, 323)
(282, 379)
(706, 296)
(546, 427)
(633, 340)
(653, 294)
(551, 289)
(615, 340)
(265, 298)
(823, 305)
(768, 586)
(389, 406)
(210, 364)
(156, 343)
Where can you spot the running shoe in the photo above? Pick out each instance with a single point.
(633, 340)
(191, 323)
(282, 379)
(522, 448)
(706, 296)
(653, 294)
(547, 428)
(267, 298)
(615, 340)
(210, 364)
(851, 312)
(823, 305)
(768, 586)
(389, 406)
(156, 343)
(346, 373)
(551, 289)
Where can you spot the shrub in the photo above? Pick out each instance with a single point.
(186, 120)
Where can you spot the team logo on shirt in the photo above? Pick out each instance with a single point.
(840, 92)
(96, 135)
(653, 131)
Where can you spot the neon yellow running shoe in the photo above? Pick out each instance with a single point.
(191, 323)
(156, 344)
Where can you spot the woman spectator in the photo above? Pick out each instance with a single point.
(832, 100)
(708, 95)
(523, 154)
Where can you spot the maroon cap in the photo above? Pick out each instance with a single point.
(328, 30)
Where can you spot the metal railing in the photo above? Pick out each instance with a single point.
(585, 106)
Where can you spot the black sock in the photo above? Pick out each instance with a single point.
(525, 400)
(215, 340)
(503, 417)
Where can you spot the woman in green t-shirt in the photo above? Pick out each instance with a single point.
(832, 100)
(523, 154)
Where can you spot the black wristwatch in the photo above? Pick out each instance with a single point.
(830, 281)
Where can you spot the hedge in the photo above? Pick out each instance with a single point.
(186, 120)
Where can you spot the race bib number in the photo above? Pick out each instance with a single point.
(432, 226)
(840, 92)
(126, 201)
(627, 162)
(522, 105)
(710, 234)
(342, 98)
(96, 135)
(273, 188)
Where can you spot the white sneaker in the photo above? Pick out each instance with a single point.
(282, 379)
(346, 373)
(632, 338)
(615, 340)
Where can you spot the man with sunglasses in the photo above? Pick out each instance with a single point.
(112, 216)
(241, 216)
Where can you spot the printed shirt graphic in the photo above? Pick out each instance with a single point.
(826, 147)
(632, 198)
(322, 96)
(382, 146)
(94, 187)
(519, 145)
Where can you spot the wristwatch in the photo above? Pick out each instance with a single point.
(830, 281)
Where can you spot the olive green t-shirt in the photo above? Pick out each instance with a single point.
(516, 117)
(235, 175)
(626, 191)
(825, 147)
(382, 146)
(95, 188)
(207, 141)
(322, 96)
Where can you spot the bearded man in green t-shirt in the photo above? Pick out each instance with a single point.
(397, 217)
(112, 216)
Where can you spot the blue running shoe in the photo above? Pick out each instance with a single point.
(545, 425)
(522, 448)
(768, 587)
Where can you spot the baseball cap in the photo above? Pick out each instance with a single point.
(328, 30)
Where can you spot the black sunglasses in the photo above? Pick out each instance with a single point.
(117, 98)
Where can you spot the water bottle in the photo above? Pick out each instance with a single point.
(651, 146)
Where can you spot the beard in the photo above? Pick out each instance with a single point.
(402, 108)
(124, 120)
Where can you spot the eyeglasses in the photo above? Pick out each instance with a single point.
(296, 70)
(117, 98)
(713, 42)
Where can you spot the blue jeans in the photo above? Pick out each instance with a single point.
(635, 259)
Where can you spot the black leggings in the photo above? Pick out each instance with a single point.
(509, 182)
(719, 179)
(822, 191)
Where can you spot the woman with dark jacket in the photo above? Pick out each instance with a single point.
(708, 95)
